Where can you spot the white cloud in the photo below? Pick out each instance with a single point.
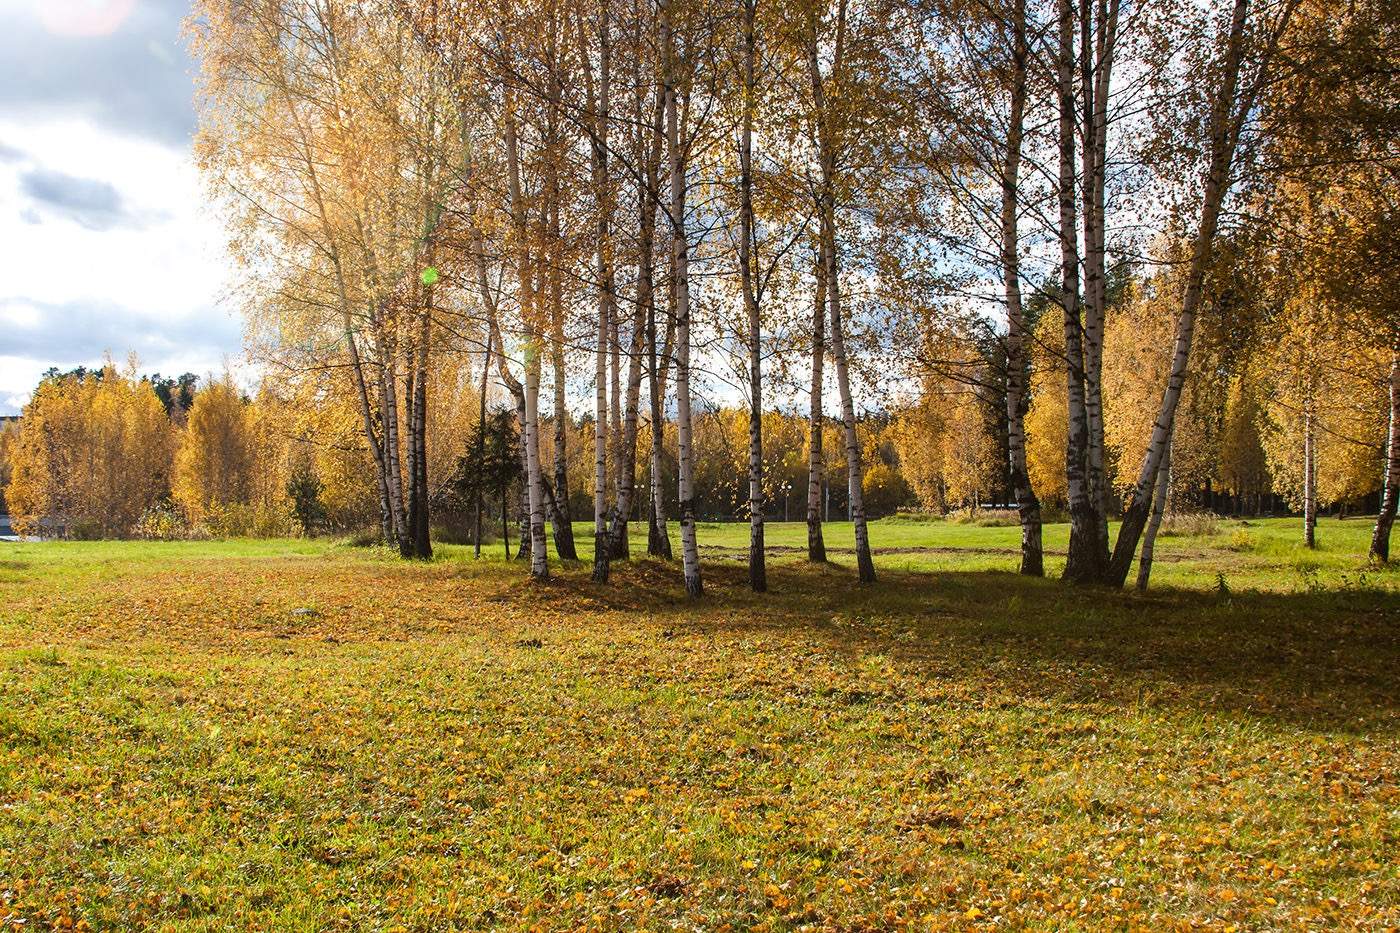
(107, 245)
(113, 252)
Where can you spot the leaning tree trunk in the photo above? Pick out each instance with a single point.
(690, 551)
(1226, 119)
(1017, 350)
(758, 571)
(1159, 509)
(816, 460)
(1380, 537)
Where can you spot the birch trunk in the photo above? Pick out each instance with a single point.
(758, 573)
(601, 552)
(1159, 508)
(421, 521)
(1226, 118)
(1099, 21)
(865, 564)
(690, 552)
(389, 417)
(627, 465)
(1309, 476)
(523, 523)
(827, 209)
(1083, 564)
(598, 100)
(539, 567)
(658, 539)
(1017, 355)
(658, 535)
(563, 523)
(647, 152)
(816, 461)
(410, 390)
(1380, 537)
(481, 445)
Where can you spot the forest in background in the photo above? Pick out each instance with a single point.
(1078, 258)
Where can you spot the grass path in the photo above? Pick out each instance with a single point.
(294, 735)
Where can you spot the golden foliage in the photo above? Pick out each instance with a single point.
(1047, 417)
(215, 464)
(92, 454)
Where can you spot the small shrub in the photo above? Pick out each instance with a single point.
(1241, 540)
(163, 522)
(1189, 525)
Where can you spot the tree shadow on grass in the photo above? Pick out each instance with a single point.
(1319, 660)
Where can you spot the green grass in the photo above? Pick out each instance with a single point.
(304, 735)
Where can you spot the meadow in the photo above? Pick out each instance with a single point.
(304, 735)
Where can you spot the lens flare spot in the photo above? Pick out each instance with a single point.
(430, 275)
(83, 18)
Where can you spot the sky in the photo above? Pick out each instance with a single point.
(107, 243)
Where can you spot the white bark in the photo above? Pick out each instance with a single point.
(690, 552)
(1228, 112)
(1380, 537)
(758, 573)
(1017, 347)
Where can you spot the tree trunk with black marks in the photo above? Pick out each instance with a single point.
(816, 460)
(758, 572)
(690, 551)
(1309, 476)
(1084, 563)
(481, 446)
(1017, 347)
(1380, 537)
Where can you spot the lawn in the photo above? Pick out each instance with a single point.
(301, 735)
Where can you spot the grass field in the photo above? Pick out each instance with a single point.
(298, 735)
